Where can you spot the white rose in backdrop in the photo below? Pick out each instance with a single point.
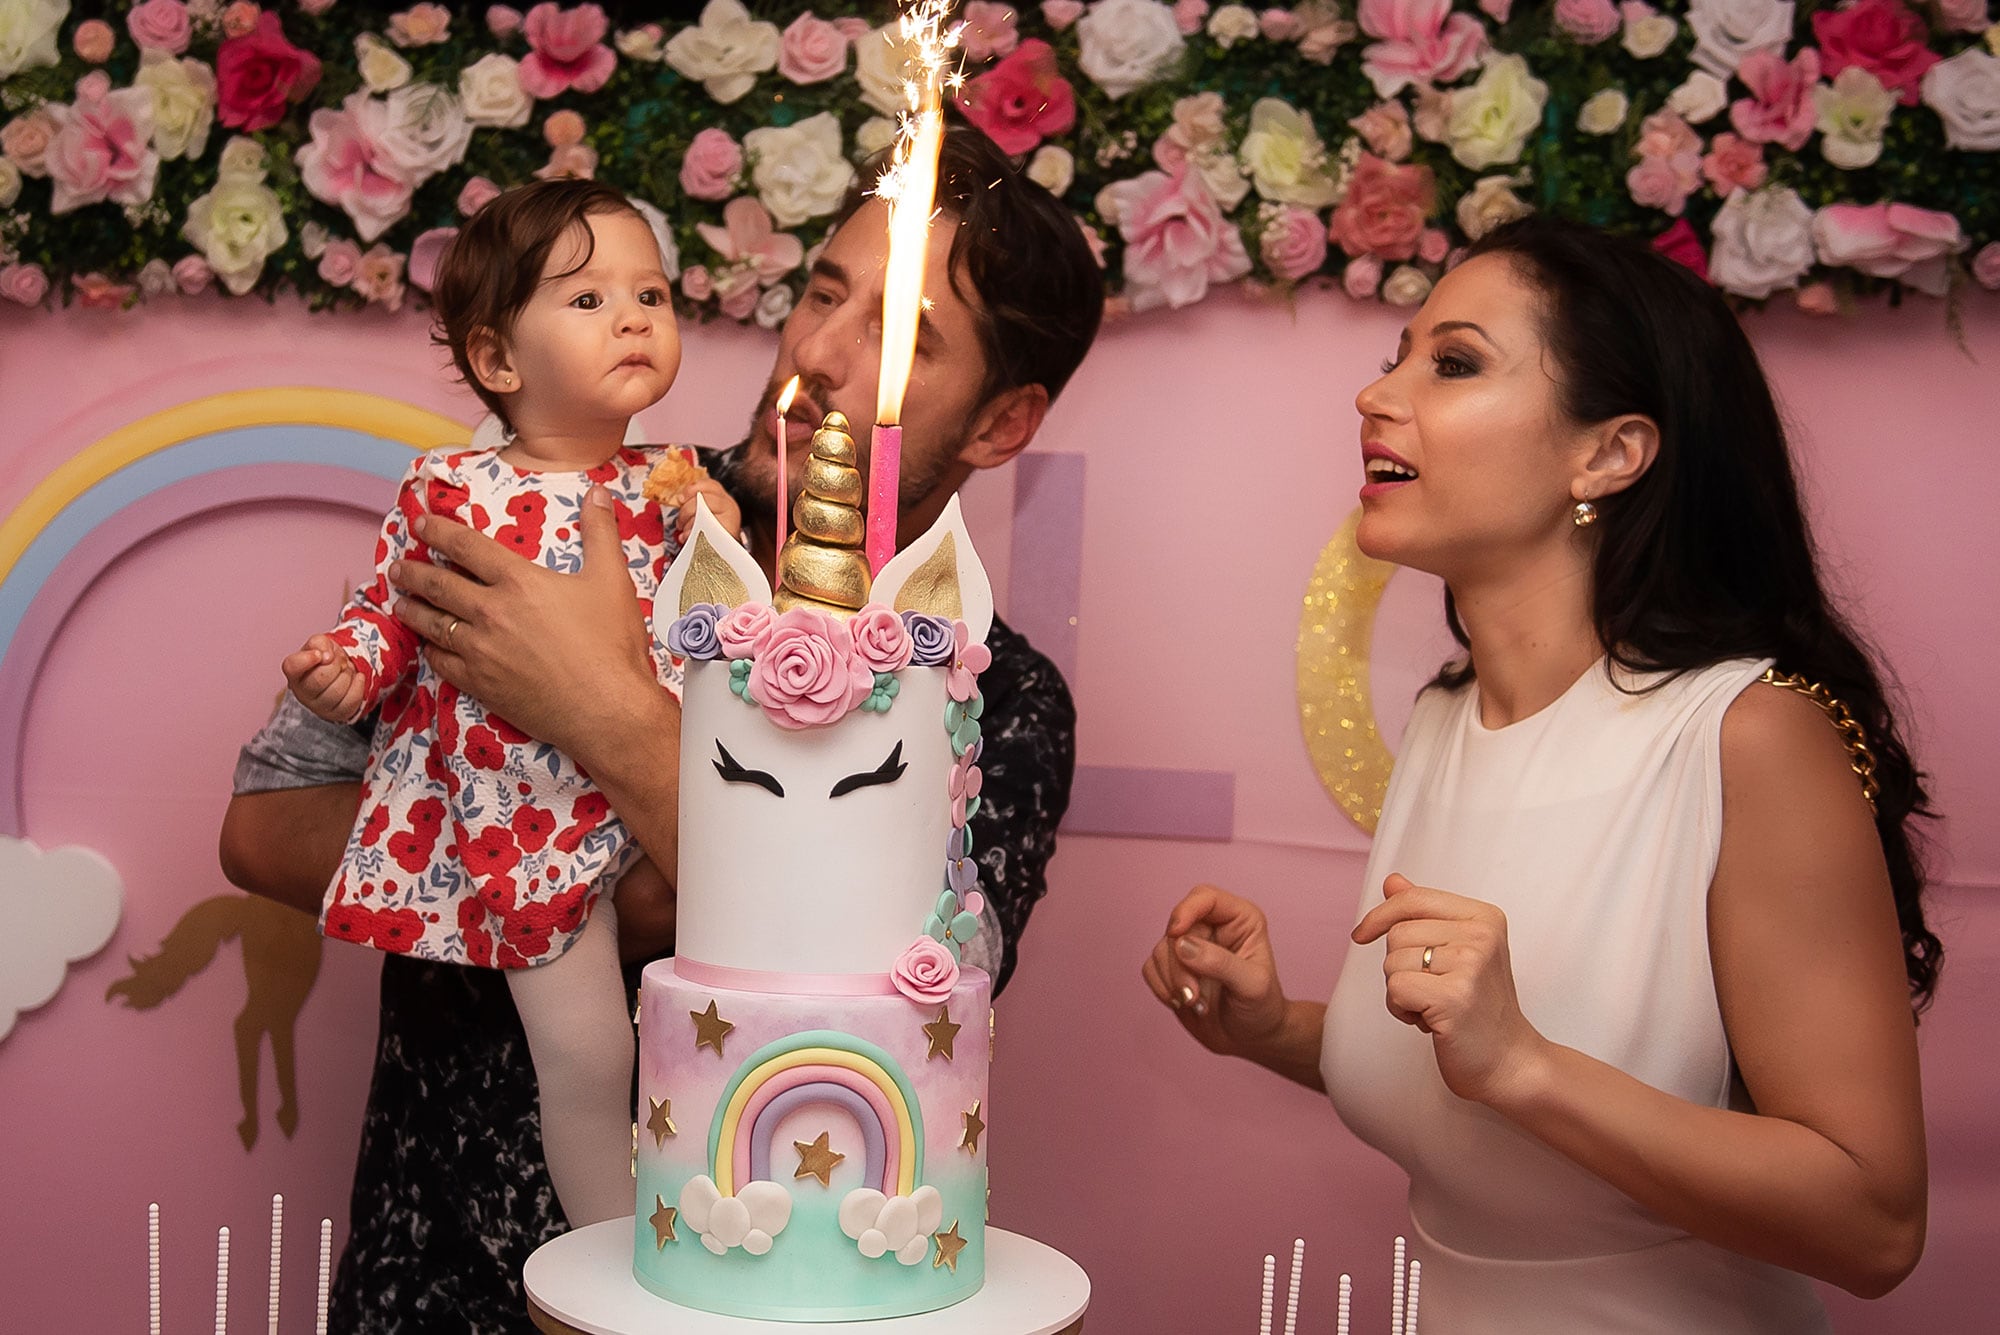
(799, 170)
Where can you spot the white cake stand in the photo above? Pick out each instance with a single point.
(582, 1283)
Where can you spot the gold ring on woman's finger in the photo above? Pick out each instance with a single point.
(1427, 957)
(1185, 997)
(452, 630)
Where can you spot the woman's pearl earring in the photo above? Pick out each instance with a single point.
(1583, 515)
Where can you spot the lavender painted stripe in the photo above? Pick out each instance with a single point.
(22, 655)
(1045, 574)
(1152, 803)
(874, 1153)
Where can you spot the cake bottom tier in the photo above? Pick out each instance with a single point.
(809, 1157)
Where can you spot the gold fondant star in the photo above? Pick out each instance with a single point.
(974, 1129)
(941, 1032)
(817, 1159)
(710, 1029)
(661, 1123)
(949, 1245)
(663, 1223)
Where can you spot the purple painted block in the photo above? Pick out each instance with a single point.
(1045, 574)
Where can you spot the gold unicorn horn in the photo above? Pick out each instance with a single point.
(823, 565)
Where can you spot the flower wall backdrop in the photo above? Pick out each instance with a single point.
(1797, 149)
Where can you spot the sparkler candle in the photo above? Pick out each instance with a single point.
(784, 473)
(910, 188)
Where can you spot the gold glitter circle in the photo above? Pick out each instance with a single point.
(1336, 711)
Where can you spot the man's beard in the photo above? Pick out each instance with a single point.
(920, 473)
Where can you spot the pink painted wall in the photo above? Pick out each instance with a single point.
(1167, 1173)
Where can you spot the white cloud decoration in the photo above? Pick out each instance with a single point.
(901, 1225)
(60, 906)
(750, 1219)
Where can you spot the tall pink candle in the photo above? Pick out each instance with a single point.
(885, 466)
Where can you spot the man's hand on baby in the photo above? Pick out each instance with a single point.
(326, 681)
(727, 513)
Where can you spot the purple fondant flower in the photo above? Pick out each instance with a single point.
(741, 633)
(693, 633)
(930, 639)
(926, 972)
(880, 638)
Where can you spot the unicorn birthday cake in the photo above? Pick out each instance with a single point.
(813, 1061)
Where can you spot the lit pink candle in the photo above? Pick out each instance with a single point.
(784, 471)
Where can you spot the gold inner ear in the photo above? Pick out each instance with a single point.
(933, 586)
(710, 579)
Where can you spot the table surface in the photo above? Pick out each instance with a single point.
(581, 1284)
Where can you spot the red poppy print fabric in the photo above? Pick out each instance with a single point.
(475, 843)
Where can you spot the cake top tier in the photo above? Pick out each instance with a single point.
(827, 761)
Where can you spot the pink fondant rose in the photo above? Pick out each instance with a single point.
(1384, 210)
(569, 50)
(926, 972)
(260, 73)
(807, 673)
(881, 640)
(160, 25)
(743, 629)
(1881, 36)
(1021, 100)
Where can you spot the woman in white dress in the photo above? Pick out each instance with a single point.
(1633, 988)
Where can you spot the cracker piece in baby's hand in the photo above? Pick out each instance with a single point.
(670, 476)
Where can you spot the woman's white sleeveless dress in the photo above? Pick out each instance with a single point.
(1595, 826)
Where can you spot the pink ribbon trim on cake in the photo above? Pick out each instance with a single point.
(764, 980)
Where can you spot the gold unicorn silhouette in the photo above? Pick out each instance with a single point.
(281, 954)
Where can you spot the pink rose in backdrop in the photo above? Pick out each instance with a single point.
(812, 50)
(1962, 15)
(1589, 22)
(192, 275)
(1278, 25)
(25, 140)
(807, 673)
(1780, 108)
(562, 128)
(926, 972)
(345, 164)
(239, 18)
(159, 25)
(1898, 241)
(747, 237)
(1733, 164)
(1021, 100)
(1189, 15)
(1385, 128)
(316, 7)
(988, 30)
(24, 283)
(1433, 245)
(742, 629)
(852, 27)
(503, 20)
(1818, 299)
(1497, 10)
(713, 165)
(98, 292)
(1884, 37)
(1986, 265)
(93, 41)
(881, 640)
(568, 50)
(103, 149)
(1680, 244)
(1293, 243)
(573, 160)
(420, 25)
(1384, 210)
(1362, 278)
(259, 74)
(426, 252)
(339, 262)
(696, 284)
(1417, 41)
(1669, 169)
(1176, 240)
(1062, 14)
(476, 194)
(379, 277)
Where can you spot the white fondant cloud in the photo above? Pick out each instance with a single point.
(59, 906)
(881, 1225)
(750, 1219)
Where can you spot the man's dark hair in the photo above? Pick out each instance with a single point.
(1036, 290)
(491, 269)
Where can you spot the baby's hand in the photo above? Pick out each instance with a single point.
(326, 681)
(727, 513)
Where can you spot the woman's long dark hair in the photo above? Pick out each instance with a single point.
(1707, 556)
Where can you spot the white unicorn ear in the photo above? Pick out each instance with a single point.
(940, 574)
(712, 568)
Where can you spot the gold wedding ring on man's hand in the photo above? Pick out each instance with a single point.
(1427, 957)
(452, 630)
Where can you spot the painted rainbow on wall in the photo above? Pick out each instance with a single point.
(819, 1066)
(332, 446)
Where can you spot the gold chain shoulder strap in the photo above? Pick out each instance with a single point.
(1852, 734)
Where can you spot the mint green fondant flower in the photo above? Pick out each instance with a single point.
(739, 676)
(951, 924)
(884, 694)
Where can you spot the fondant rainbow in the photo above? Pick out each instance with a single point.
(332, 446)
(822, 1060)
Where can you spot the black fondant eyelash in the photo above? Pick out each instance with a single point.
(732, 772)
(888, 771)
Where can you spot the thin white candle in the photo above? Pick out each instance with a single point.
(153, 1269)
(325, 1272)
(277, 1251)
(222, 1281)
(1346, 1302)
(1292, 1287)
(1264, 1310)
(1396, 1290)
(1410, 1304)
